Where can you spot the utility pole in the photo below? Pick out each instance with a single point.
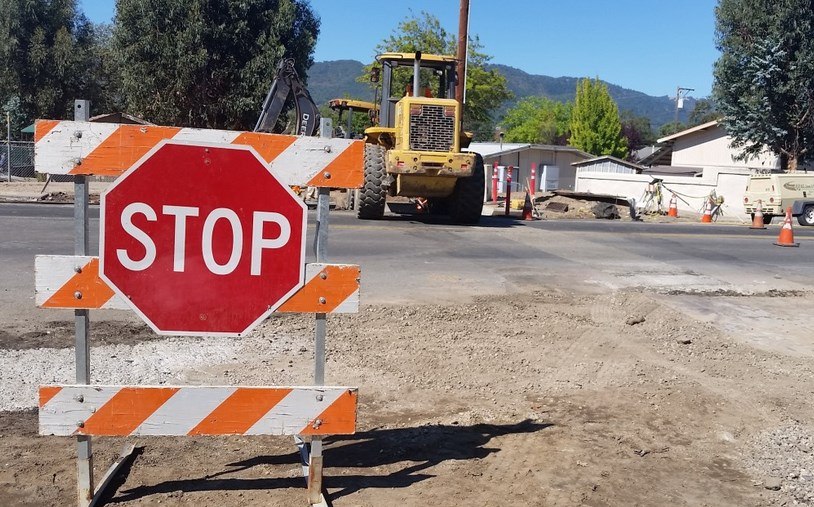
(463, 39)
(680, 94)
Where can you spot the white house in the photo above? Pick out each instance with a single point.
(692, 163)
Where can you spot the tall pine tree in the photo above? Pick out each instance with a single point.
(208, 63)
(764, 79)
(595, 124)
(49, 56)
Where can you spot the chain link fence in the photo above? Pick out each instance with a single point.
(20, 164)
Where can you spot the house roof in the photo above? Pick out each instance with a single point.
(693, 130)
(662, 155)
(497, 149)
(631, 165)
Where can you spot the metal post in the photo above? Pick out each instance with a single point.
(508, 190)
(84, 452)
(8, 145)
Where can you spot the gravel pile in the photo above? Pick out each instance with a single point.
(162, 361)
(784, 459)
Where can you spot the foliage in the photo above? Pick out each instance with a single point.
(703, 112)
(637, 131)
(595, 125)
(207, 63)
(538, 120)
(51, 55)
(671, 128)
(764, 79)
(486, 89)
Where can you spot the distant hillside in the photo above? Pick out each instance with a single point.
(660, 110)
(337, 79)
(328, 80)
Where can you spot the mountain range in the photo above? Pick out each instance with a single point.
(335, 79)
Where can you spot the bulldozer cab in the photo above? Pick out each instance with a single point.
(413, 74)
(348, 109)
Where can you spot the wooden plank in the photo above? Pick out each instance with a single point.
(106, 149)
(68, 410)
(73, 282)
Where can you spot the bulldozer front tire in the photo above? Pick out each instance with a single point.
(466, 202)
(373, 195)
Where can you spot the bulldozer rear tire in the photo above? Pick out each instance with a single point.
(466, 202)
(373, 195)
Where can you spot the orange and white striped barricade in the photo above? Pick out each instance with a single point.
(73, 282)
(81, 148)
(108, 149)
(99, 410)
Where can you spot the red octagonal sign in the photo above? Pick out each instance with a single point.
(202, 240)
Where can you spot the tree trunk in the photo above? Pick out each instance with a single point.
(793, 164)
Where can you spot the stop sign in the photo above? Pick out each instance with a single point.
(202, 239)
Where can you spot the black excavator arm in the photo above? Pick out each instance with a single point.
(287, 82)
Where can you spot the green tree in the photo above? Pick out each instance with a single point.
(765, 76)
(637, 131)
(595, 125)
(486, 89)
(207, 63)
(50, 56)
(703, 112)
(538, 120)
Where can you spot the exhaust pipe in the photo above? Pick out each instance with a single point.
(416, 73)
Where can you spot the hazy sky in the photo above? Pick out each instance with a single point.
(648, 45)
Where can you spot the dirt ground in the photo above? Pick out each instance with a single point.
(544, 398)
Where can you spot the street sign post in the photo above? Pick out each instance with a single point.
(202, 239)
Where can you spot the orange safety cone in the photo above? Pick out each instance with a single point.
(527, 209)
(707, 218)
(757, 219)
(786, 237)
(673, 211)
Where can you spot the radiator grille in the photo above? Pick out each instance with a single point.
(431, 130)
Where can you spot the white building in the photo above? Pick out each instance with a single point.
(692, 163)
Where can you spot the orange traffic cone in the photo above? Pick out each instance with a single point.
(757, 219)
(527, 208)
(786, 237)
(707, 218)
(673, 211)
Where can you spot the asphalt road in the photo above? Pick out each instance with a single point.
(409, 257)
(414, 260)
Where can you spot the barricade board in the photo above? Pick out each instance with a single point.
(108, 149)
(69, 410)
(73, 282)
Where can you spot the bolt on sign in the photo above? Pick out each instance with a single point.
(202, 239)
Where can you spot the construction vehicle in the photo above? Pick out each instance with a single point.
(287, 84)
(416, 148)
(779, 191)
(353, 107)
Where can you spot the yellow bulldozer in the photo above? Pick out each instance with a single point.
(417, 147)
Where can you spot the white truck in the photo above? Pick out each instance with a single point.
(778, 191)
